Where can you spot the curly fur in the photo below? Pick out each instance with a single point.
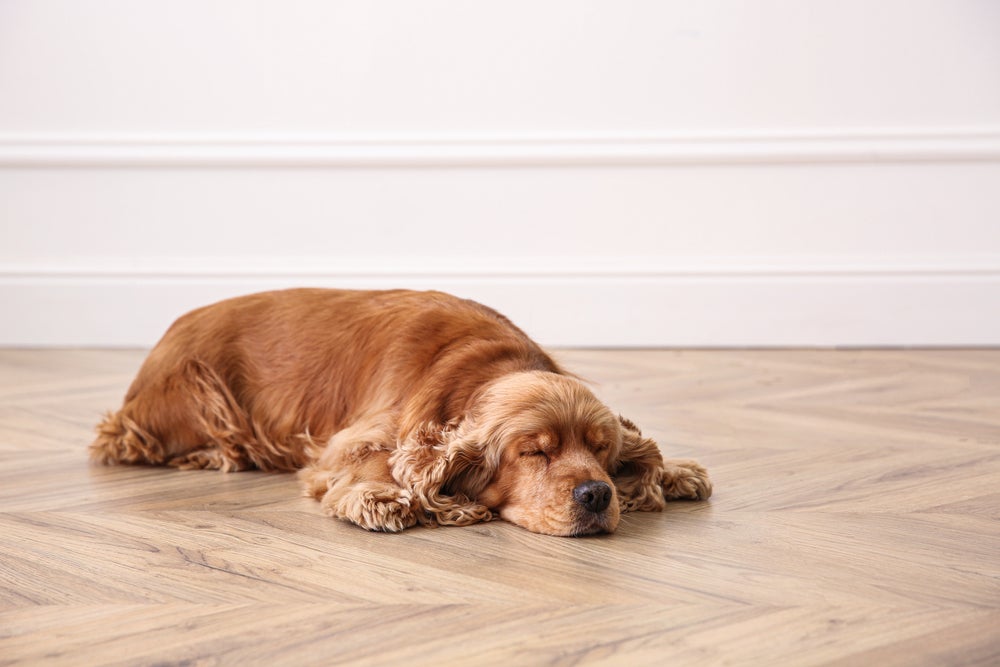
(397, 408)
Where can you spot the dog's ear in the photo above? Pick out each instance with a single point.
(638, 472)
(446, 467)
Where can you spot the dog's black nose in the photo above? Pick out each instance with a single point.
(594, 495)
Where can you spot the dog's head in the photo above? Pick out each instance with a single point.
(539, 449)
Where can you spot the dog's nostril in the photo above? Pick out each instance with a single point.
(594, 495)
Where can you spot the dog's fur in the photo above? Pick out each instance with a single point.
(397, 407)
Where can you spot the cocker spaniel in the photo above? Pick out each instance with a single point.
(398, 408)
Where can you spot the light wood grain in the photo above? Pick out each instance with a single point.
(856, 520)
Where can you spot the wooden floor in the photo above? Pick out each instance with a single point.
(856, 520)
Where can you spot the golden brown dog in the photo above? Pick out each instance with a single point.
(398, 407)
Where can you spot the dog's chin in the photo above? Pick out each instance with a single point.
(592, 524)
(582, 524)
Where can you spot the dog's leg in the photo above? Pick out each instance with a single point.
(158, 422)
(186, 418)
(363, 493)
(685, 479)
(120, 439)
(351, 479)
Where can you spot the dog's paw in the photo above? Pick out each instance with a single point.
(374, 506)
(685, 480)
(208, 459)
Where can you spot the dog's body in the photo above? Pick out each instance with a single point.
(398, 407)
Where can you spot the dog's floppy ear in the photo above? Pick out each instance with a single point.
(638, 472)
(446, 467)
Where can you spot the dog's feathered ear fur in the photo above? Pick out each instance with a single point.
(638, 473)
(445, 467)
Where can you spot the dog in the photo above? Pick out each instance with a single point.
(397, 408)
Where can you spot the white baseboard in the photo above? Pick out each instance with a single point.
(619, 304)
(122, 204)
(311, 151)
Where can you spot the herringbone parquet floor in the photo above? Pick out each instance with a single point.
(856, 520)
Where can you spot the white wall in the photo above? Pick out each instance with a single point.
(781, 172)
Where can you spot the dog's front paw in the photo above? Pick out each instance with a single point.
(378, 507)
(685, 480)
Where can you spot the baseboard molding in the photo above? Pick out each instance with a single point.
(617, 302)
(262, 151)
(623, 305)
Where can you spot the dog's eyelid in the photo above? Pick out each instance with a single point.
(598, 444)
(536, 453)
(598, 437)
(538, 445)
